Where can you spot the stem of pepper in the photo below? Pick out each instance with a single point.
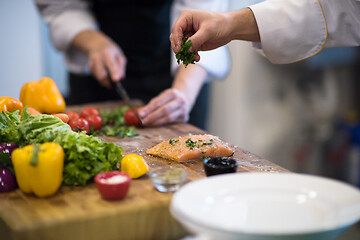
(34, 158)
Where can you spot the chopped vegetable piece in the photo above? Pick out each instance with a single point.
(114, 124)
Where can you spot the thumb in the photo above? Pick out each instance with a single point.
(198, 39)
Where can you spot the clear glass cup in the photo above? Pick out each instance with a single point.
(168, 179)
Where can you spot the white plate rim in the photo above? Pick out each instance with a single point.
(178, 214)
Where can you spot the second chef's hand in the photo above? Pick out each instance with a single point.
(175, 104)
(104, 56)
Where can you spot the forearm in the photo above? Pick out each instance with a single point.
(189, 81)
(90, 40)
(242, 25)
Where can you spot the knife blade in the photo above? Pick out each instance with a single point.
(123, 94)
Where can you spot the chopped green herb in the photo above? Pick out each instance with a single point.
(172, 142)
(190, 143)
(209, 143)
(114, 124)
(184, 55)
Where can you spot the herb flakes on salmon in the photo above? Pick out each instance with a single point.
(191, 148)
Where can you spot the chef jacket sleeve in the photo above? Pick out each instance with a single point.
(293, 30)
(216, 62)
(65, 20)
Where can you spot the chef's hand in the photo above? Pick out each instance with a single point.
(175, 104)
(105, 56)
(168, 107)
(209, 30)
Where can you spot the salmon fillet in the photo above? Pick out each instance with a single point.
(191, 148)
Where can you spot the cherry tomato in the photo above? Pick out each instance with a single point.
(95, 121)
(88, 111)
(131, 119)
(79, 125)
(73, 116)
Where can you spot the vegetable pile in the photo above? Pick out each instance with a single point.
(184, 55)
(118, 122)
(85, 156)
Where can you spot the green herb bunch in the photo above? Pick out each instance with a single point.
(114, 123)
(184, 55)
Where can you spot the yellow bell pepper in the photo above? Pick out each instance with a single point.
(39, 168)
(9, 104)
(134, 165)
(43, 95)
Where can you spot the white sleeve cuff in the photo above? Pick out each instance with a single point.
(216, 62)
(290, 30)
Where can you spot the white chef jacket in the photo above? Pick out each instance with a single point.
(293, 30)
(67, 18)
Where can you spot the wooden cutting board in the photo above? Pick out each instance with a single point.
(81, 213)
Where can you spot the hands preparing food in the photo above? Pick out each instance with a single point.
(210, 30)
(107, 45)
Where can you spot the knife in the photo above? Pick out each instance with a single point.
(123, 94)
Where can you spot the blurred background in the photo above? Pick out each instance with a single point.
(302, 116)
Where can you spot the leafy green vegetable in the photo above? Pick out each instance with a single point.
(9, 123)
(113, 116)
(114, 123)
(184, 55)
(85, 156)
(120, 132)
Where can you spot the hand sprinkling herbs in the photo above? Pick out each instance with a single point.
(184, 55)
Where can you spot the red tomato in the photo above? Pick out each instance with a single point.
(88, 111)
(131, 119)
(95, 121)
(73, 116)
(79, 125)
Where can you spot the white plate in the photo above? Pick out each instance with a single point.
(267, 206)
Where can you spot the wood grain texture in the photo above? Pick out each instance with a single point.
(80, 212)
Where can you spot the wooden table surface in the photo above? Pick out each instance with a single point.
(80, 212)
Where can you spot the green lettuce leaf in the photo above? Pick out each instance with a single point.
(9, 127)
(85, 156)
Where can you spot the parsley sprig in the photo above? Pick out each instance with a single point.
(191, 144)
(173, 141)
(184, 55)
